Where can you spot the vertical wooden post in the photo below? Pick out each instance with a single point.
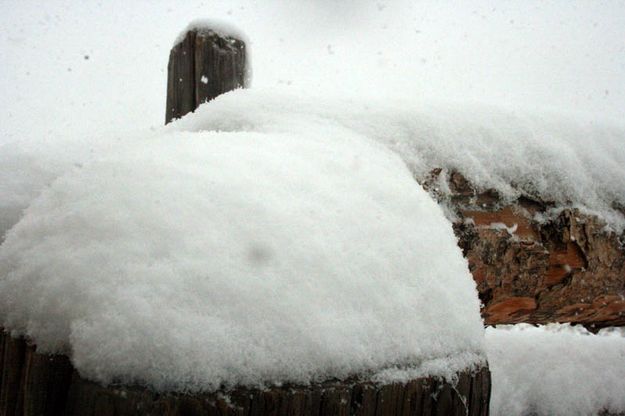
(12, 363)
(203, 65)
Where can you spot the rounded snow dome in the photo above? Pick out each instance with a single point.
(189, 260)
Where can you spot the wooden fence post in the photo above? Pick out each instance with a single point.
(203, 65)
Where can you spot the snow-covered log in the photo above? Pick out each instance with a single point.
(47, 385)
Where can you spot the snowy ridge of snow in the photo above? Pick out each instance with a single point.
(446, 368)
(194, 260)
(555, 370)
(572, 162)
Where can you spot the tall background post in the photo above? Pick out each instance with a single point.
(203, 65)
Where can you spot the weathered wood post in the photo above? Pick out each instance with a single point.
(203, 64)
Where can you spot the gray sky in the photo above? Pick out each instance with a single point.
(82, 65)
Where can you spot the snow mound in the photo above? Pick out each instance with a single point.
(189, 261)
(555, 370)
(572, 162)
(29, 166)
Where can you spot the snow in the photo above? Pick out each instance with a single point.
(218, 26)
(544, 155)
(28, 166)
(190, 260)
(61, 111)
(555, 370)
(446, 368)
(547, 58)
(111, 252)
(547, 156)
(514, 152)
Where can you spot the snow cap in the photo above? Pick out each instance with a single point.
(190, 260)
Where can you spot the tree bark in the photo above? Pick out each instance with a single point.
(539, 268)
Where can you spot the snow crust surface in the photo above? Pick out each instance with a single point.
(191, 260)
(555, 370)
(572, 162)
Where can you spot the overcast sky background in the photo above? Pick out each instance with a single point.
(71, 67)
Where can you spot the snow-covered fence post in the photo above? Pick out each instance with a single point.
(204, 63)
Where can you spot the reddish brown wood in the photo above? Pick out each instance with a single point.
(543, 268)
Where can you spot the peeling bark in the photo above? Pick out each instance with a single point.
(565, 269)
